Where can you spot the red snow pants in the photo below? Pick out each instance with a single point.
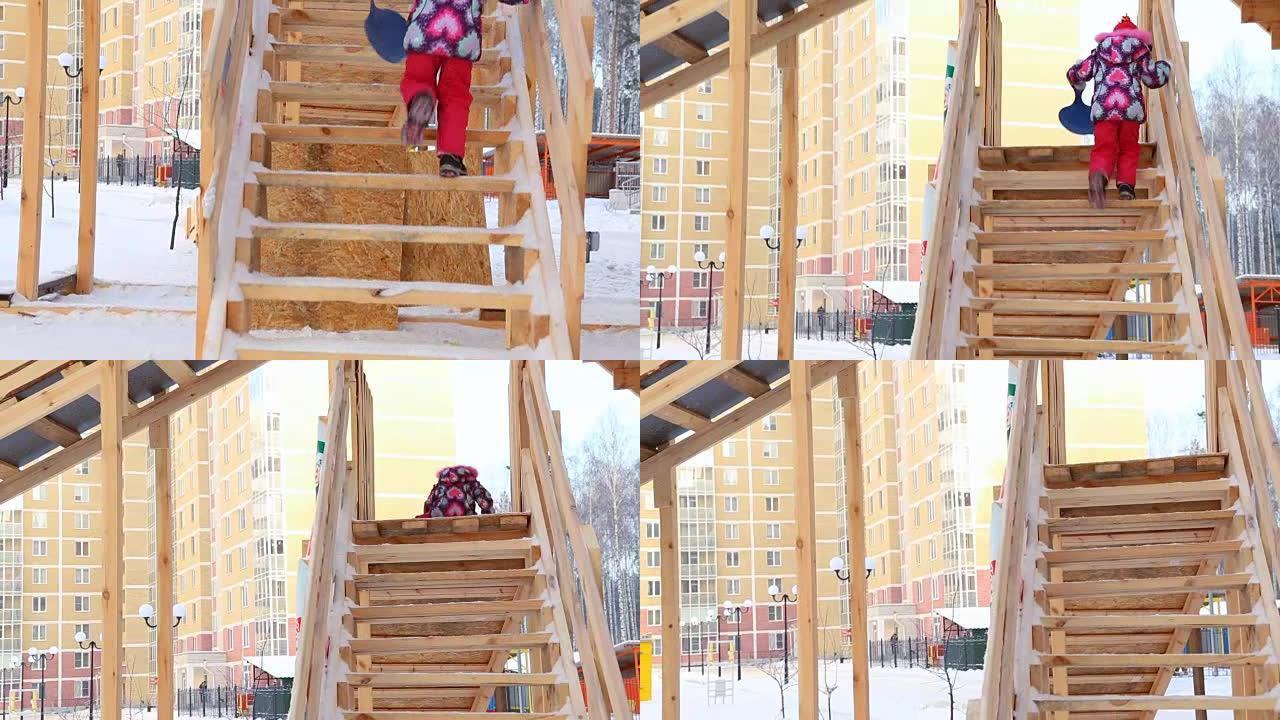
(448, 80)
(1115, 150)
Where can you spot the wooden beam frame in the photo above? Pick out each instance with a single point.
(742, 18)
(806, 537)
(664, 497)
(89, 85)
(788, 62)
(677, 384)
(114, 380)
(850, 409)
(34, 133)
(159, 444)
(660, 23)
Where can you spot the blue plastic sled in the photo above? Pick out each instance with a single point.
(385, 30)
(1075, 117)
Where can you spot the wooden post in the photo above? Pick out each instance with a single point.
(362, 443)
(806, 531)
(89, 83)
(1215, 378)
(34, 132)
(518, 426)
(664, 497)
(788, 60)
(113, 400)
(158, 440)
(851, 419)
(1054, 396)
(742, 18)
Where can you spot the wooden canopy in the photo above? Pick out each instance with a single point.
(1266, 13)
(683, 42)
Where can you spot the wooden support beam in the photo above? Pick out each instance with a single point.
(664, 497)
(34, 133)
(362, 455)
(855, 490)
(788, 65)
(671, 18)
(159, 444)
(674, 386)
(518, 426)
(89, 84)
(1055, 400)
(806, 536)
(742, 17)
(73, 385)
(114, 379)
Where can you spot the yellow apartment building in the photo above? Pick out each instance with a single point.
(63, 130)
(871, 113)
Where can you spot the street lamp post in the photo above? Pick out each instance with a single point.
(715, 617)
(148, 614)
(779, 596)
(735, 612)
(4, 703)
(837, 567)
(65, 60)
(81, 638)
(8, 100)
(654, 275)
(766, 234)
(33, 655)
(711, 266)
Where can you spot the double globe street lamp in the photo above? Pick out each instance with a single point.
(8, 100)
(148, 614)
(734, 613)
(92, 646)
(66, 59)
(658, 278)
(837, 567)
(711, 266)
(778, 596)
(34, 656)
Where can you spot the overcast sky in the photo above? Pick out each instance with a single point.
(1210, 26)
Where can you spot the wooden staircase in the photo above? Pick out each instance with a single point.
(336, 207)
(441, 610)
(1127, 553)
(1047, 275)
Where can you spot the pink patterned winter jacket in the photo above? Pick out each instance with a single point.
(451, 28)
(1119, 66)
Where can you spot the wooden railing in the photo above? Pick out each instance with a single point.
(232, 70)
(1007, 661)
(958, 141)
(566, 547)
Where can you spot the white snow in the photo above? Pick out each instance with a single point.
(132, 236)
(757, 345)
(896, 694)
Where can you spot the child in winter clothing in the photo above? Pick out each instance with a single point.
(1119, 66)
(457, 492)
(442, 42)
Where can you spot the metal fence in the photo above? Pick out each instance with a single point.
(881, 328)
(158, 170)
(964, 653)
(234, 701)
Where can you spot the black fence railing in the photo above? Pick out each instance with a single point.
(164, 170)
(964, 653)
(234, 701)
(880, 328)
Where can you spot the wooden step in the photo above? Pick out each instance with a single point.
(1145, 522)
(1090, 703)
(445, 579)
(364, 93)
(1111, 473)
(1153, 660)
(1072, 346)
(1071, 271)
(256, 286)
(1060, 208)
(1139, 494)
(1131, 556)
(449, 679)
(1145, 586)
(444, 612)
(415, 529)
(1049, 157)
(354, 54)
(1057, 308)
(397, 182)
(446, 715)
(362, 135)
(1160, 621)
(514, 548)
(412, 645)
(987, 180)
(415, 234)
(1078, 240)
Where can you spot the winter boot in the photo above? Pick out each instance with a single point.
(1097, 190)
(1126, 191)
(451, 166)
(421, 113)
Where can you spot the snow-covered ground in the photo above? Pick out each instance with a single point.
(136, 270)
(902, 694)
(760, 346)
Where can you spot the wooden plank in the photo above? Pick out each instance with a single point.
(397, 182)
(736, 378)
(89, 85)
(1073, 345)
(1145, 586)
(417, 234)
(677, 384)
(35, 132)
(177, 370)
(1145, 621)
(514, 548)
(449, 679)
(673, 17)
(1108, 524)
(256, 286)
(664, 497)
(1153, 659)
(158, 442)
(789, 169)
(1071, 271)
(742, 16)
(806, 632)
(1033, 306)
(851, 421)
(54, 432)
(412, 645)
(73, 385)
(1088, 703)
(684, 417)
(363, 135)
(443, 611)
(113, 377)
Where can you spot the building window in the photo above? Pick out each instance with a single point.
(82, 603)
(773, 531)
(657, 221)
(40, 576)
(731, 503)
(729, 476)
(732, 531)
(82, 548)
(40, 632)
(39, 519)
(702, 140)
(655, 587)
(82, 521)
(703, 112)
(659, 166)
(654, 617)
(40, 548)
(701, 223)
(81, 493)
(770, 450)
(771, 477)
(772, 504)
(702, 195)
(659, 110)
(82, 576)
(40, 492)
(653, 558)
(39, 603)
(81, 660)
(726, 448)
(660, 137)
(699, 308)
(773, 558)
(733, 587)
(699, 280)
(732, 559)
(704, 87)
(775, 613)
(770, 423)
(82, 468)
(702, 167)
(658, 193)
